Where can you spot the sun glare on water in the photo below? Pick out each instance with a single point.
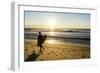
(52, 33)
(51, 25)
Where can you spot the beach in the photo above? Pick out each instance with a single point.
(64, 36)
(55, 51)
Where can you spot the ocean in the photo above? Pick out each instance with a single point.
(60, 36)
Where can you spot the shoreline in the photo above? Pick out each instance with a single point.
(57, 43)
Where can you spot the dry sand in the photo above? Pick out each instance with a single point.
(57, 51)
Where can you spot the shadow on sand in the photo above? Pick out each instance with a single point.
(33, 56)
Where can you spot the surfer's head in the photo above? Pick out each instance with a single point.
(39, 33)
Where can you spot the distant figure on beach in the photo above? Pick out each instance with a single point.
(40, 41)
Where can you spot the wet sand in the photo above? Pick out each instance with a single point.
(56, 51)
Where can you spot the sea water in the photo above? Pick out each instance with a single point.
(78, 36)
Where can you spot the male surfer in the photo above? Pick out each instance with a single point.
(39, 42)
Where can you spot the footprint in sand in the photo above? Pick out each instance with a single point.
(50, 52)
(53, 52)
(60, 53)
(56, 55)
(63, 51)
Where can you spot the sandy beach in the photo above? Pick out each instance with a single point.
(55, 51)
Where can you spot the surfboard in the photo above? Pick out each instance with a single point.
(42, 40)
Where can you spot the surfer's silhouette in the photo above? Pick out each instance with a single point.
(41, 40)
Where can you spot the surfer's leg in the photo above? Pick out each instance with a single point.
(41, 49)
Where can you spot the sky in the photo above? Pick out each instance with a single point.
(54, 20)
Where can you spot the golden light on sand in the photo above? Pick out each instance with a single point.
(51, 41)
(51, 23)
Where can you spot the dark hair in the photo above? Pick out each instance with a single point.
(39, 32)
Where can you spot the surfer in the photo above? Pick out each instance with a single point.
(40, 41)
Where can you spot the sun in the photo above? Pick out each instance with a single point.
(51, 23)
